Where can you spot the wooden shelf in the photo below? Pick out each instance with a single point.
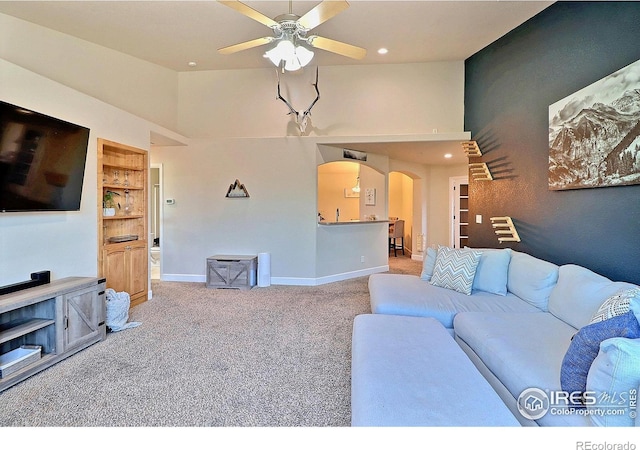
(121, 187)
(122, 166)
(20, 329)
(123, 217)
(480, 172)
(471, 148)
(505, 229)
(124, 264)
(17, 376)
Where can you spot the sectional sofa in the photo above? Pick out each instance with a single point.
(558, 345)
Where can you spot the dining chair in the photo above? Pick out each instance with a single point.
(396, 231)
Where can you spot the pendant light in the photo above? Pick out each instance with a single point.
(356, 188)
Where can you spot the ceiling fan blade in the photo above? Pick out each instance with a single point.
(322, 12)
(245, 45)
(250, 12)
(338, 47)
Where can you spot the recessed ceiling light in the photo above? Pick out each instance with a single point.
(383, 51)
(448, 155)
(192, 63)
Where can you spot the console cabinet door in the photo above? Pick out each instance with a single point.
(82, 311)
(115, 269)
(138, 269)
(126, 269)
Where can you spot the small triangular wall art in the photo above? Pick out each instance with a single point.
(237, 190)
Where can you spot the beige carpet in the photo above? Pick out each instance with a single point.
(273, 356)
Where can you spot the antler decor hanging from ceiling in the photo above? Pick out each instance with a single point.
(301, 118)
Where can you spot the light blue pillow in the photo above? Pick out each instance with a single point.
(585, 346)
(493, 271)
(532, 279)
(614, 375)
(428, 264)
(455, 269)
(579, 293)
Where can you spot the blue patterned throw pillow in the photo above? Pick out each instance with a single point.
(455, 269)
(585, 345)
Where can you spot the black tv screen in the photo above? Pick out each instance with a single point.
(42, 161)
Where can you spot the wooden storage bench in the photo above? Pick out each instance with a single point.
(232, 271)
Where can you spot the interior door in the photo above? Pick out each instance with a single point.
(459, 211)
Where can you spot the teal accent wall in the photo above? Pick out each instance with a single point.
(509, 86)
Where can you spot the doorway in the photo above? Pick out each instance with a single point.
(459, 211)
(401, 205)
(155, 211)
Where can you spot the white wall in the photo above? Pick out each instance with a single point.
(242, 131)
(63, 242)
(395, 99)
(144, 89)
(370, 178)
(357, 103)
(279, 217)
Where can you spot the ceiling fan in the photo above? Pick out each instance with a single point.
(292, 49)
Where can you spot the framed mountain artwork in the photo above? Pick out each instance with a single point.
(594, 134)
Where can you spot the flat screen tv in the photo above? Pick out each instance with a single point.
(42, 161)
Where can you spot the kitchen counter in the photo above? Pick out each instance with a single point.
(351, 222)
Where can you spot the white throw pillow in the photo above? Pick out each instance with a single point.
(455, 269)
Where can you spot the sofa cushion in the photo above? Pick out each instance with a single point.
(613, 376)
(509, 345)
(455, 269)
(616, 305)
(585, 345)
(492, 271)
(428, 264)
(532, 279)
(408, 371)
(408, 295)
(579, 293)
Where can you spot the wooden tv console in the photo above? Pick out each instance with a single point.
(61, 317)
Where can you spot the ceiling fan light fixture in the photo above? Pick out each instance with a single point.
(294, 57)
(304, 55)
(282, 51)
(290, 31)
(292, 64)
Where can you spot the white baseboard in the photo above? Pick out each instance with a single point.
(290, 281)
(286, 281)
(183, 277)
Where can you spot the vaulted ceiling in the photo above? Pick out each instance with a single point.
(173, 34)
